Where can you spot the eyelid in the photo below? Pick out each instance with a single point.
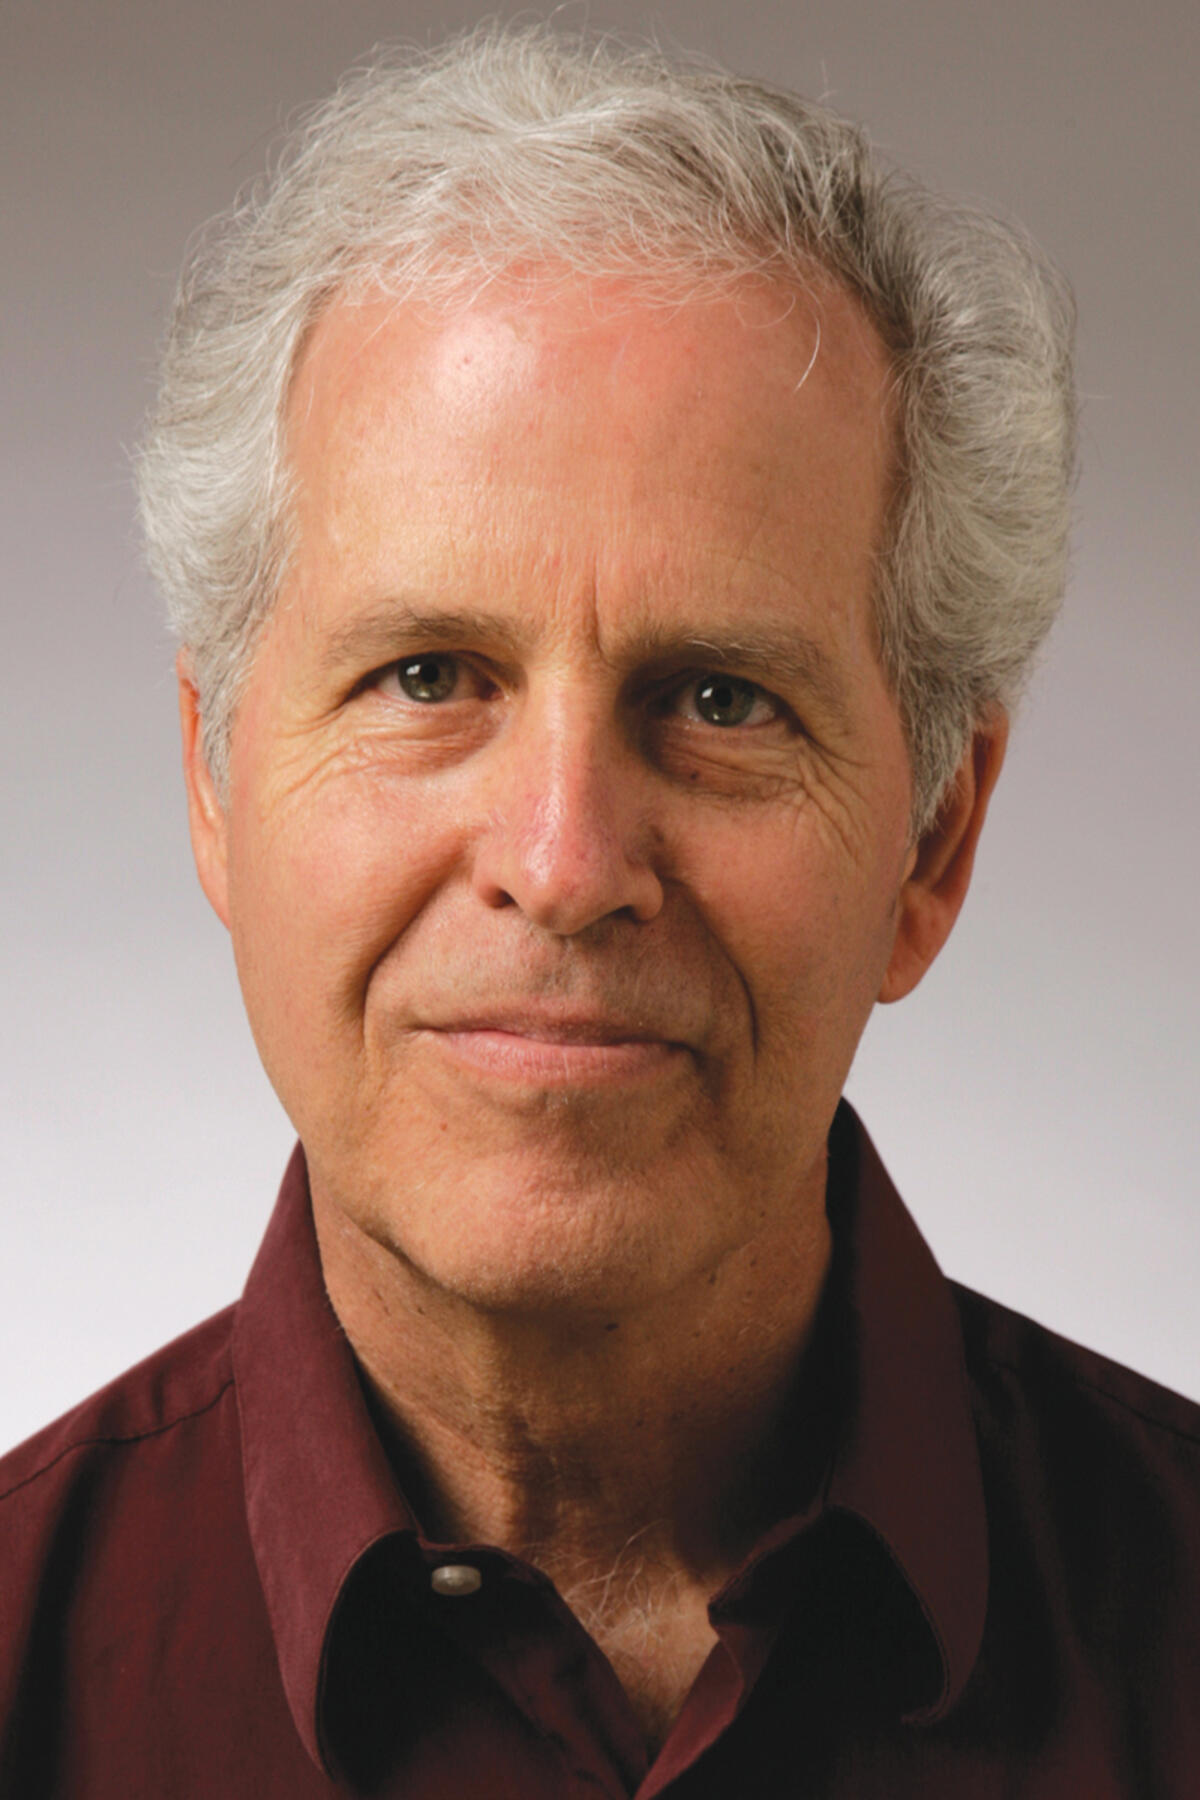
(662, 692)
(467, 666)
(671, 688)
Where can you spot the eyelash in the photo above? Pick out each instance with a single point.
(726, 692)
(407, 663)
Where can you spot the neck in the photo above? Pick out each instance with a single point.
(581, 1439)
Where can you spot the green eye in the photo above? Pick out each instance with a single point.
(724, 700)
(428, 678)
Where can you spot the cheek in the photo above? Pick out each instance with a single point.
(810, 934)
(322, 882)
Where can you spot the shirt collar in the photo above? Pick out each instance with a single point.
(320, 1491)
(906, 1460)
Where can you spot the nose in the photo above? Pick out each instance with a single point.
(568, 838)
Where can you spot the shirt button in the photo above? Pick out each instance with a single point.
(455, 1579)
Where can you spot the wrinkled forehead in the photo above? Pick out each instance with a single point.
(574, 481)
(569, 442)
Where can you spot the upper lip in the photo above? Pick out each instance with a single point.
(559, 1026)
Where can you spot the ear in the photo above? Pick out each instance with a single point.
(940, 874)
(206, 815)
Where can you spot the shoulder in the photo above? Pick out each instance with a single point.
(181, 1382)
(1049, 1375)
(1091, 1475)
(123, 1533)
(1091, 1488)
(106, 1508)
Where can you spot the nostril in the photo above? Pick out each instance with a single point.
(564, 887)
(568, 842)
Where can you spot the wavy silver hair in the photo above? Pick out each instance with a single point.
(511, 145)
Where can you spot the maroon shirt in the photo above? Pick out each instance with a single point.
(211, 1584)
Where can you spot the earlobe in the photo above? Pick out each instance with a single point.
(206, 815)
(933, 893)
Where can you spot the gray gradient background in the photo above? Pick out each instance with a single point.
(1035, 1100)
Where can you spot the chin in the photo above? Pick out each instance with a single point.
(585, 1248)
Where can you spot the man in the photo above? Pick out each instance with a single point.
(607, 519)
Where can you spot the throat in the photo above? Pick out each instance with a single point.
(656, 1636)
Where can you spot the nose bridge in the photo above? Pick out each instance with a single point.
(568, 840)
(575, 768)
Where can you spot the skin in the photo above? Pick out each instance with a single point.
(558, 979)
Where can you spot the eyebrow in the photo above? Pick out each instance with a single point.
(773, 656)
(395, 625)
(776, 658)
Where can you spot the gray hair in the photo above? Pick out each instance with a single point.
(510, 145)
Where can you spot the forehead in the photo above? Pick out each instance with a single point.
(749, 350)
(576, 422)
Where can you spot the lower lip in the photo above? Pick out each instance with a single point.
(514, 1057)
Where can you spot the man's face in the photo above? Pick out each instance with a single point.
(568, 804)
